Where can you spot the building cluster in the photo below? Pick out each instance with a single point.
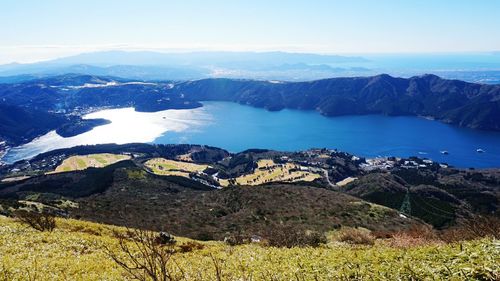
(45, 164)
(378, 163)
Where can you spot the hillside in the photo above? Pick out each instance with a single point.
(123, 194)
(75, 250)
(213, 189)
(451, 101)
(244, 211)
(322, 231)
(19, 125)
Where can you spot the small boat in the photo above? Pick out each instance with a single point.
(445, 152)
(479, 150)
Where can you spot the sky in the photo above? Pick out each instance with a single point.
(33, 30)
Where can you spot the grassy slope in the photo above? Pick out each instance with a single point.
(82, 162)
(74, 251)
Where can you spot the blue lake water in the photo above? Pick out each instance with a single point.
(237, 127)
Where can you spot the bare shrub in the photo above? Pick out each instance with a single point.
(41, 221)
(141, 256)
(473, 228)
(419, 235)
(291, 236)
(356, 236)
(403, 240)
(421, 231)
(190, 246)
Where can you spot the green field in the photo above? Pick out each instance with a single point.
(74, 251)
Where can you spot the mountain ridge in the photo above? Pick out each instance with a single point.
(426, 95)
(455, 102)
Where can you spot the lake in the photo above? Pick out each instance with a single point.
(237, 127)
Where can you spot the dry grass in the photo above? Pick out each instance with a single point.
(417, 236)
(356, 236)
(346, 181)
(472, 228)
(74, 251)
(82, 162)
(13, 179)
(162, 166)
(268, 171)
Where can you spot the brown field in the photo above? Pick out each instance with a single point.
(166, 167)
(82, 162)
(13, 179)
(268, 171)
(346, 181)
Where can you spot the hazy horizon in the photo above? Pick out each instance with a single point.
(51, 29)
(194, 51)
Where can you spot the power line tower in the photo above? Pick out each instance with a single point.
(406, 205)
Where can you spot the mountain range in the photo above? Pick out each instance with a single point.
(147, 65)
(451, 101)
(59, 101)
(287, 66)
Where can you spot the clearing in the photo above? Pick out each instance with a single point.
(268, 171)
(82, 162)
(166, 167)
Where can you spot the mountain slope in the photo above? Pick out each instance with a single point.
(452, 101)
(123, 194)
(18, 125)
(75, 251)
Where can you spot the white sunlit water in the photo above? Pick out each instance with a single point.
(127, 126)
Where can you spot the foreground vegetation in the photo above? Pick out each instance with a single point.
(77, 250)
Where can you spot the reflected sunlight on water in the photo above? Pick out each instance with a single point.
(126, 126)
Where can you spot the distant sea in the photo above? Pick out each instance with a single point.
(238, 127)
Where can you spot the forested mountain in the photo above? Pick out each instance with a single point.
(451, 101)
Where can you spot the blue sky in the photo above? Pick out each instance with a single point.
(33, 29)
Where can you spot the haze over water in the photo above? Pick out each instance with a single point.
(237, 127)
